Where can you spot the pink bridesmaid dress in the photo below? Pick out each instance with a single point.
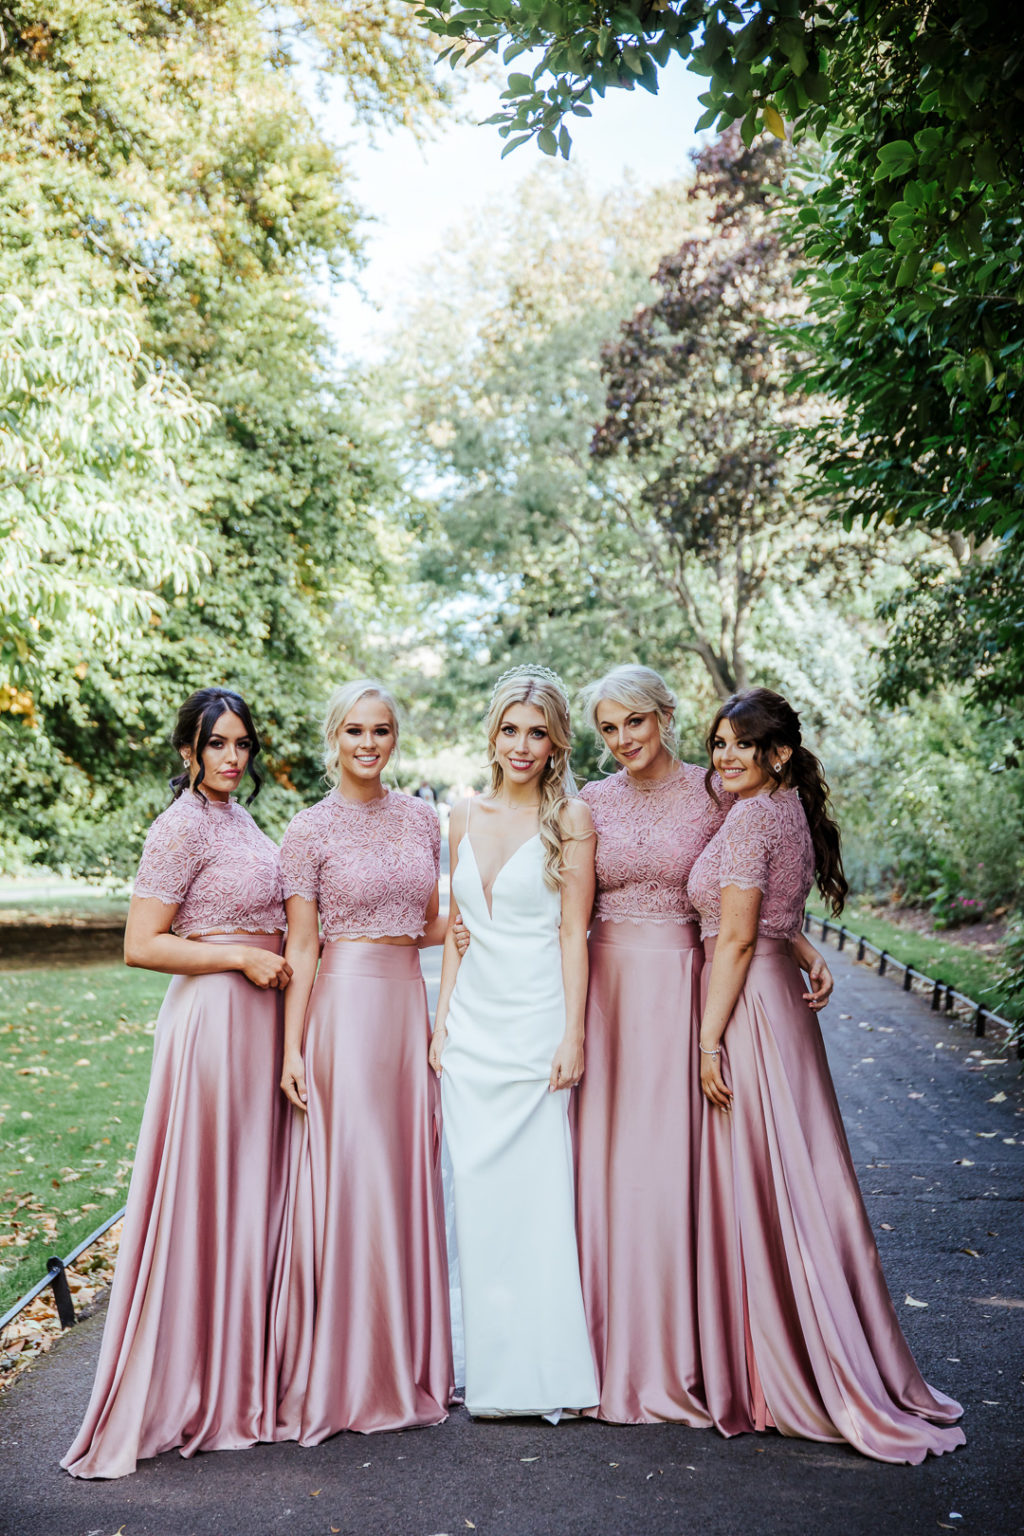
(798, 1332)
(184, 1360)
(362, 1331)
(638, 1105)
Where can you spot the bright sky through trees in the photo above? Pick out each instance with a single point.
(415, 193)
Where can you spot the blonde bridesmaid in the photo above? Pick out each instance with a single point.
(184, 1359)
(797, 1329)
(361, 1325)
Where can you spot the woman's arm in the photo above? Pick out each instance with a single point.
(734, 948)
(435, 926)
(450, 961)
(577, 902)
(818, 973)
(150, 945)
(302, 951)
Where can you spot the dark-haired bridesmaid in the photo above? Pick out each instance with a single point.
(184, 1356)
(797, 1328)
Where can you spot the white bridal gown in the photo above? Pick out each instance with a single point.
(527, 1345)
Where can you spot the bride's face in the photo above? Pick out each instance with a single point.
(522, 745)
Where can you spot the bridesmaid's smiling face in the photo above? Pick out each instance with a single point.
(522, 745)
(633, 737)
(736, 760)
(366, 740)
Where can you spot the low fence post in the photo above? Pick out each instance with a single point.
(936, 994)
(861, 941)
(883, 957)
(907, 978)
(979, 1021)
(61, 1293)
(842, 935)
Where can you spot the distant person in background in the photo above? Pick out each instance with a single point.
(184, 1361)
(639, 1104)
(361, 1323)
(424, 792)
(798, 1331)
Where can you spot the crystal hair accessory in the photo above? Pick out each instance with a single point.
(530, 669)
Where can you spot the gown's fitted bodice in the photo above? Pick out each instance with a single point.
(371, 866)
(209, 859)
(764, 844)
(648, 836)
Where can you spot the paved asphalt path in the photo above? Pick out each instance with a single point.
(941, 1168)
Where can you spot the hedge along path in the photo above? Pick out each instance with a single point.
(75, 1054)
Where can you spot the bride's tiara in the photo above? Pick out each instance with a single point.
(529, 670)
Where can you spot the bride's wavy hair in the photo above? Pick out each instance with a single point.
(557, 786)
(769, 721)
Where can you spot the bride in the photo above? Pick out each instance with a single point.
(509, 1041)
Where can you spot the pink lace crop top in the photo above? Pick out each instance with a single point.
(765, 843)
(648, 836)
(210, 860)
(371, 867)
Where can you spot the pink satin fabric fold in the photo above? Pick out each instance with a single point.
(637, 1139)
(361, 1325)
(797, 1326)
(184, 1355)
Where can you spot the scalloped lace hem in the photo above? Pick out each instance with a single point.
(329, 938)
(665, 919)
(200, 933)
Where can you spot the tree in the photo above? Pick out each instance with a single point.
(909, 218)
(161, 163)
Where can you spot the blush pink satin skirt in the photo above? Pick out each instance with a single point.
(184, 1357)
(637, 1138)
(361, 1324)
(797, 1327)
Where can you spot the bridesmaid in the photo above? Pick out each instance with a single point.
(361, 1311)
(639, 1105)
(183, 1361)
(798, 1332)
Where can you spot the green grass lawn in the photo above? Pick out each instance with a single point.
(965, 969)
(75, 1053)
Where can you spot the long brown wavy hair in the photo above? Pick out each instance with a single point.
(769, 721)
(557, 785)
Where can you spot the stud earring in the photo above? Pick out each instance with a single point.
(776, 767)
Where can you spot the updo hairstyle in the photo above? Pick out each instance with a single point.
(765, 718)
(339, 706)
(194, 727)
(638, 689)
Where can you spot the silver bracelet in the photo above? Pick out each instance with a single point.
(705, 1052)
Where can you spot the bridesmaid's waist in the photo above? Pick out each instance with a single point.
(645, 934)
(274, 942)
(764, 947)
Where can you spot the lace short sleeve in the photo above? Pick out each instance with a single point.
(172, 856)
(745, 857)
(301, 856)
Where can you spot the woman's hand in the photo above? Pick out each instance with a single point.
(712, 1082)
(460, 933)
(438, 1041)
(567, 1065)
(293, 1079)
(820, 978)
(265, 969)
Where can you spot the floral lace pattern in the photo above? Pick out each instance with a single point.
(209, 859)
(371, 867)
(648, 836)
(765, 843)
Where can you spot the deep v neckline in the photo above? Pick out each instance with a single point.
(489, 896)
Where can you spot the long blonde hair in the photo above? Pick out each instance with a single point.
(339, 706)
(635, 688)
(539, 687)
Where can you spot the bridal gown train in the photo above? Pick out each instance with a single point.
(527, 1345)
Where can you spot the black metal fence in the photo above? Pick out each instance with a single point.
(57, 1278)
(944, 998)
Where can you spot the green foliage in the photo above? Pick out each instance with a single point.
(211, 492)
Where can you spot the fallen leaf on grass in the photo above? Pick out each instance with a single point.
(915, 1095)
(886, 1227)
(986, 1135)
(529, 1458)
(989, 1403)
(963, 1162)
(315, 1494)
(471, 1525)
(998, 1098)
(971, 1252)
(911, 1301)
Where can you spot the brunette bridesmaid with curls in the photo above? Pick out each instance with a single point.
(184, 1360)
(797, 1329)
